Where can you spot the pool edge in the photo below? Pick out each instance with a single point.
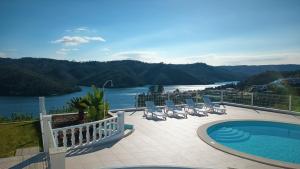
(202, 134)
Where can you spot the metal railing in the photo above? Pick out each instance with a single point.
(265, 100)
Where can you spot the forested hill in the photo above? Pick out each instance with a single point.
(268, 77)
(249, 70)
(36, 76)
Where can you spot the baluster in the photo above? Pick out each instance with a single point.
(94, 132)
(65, 138)
(100, 130)
(55, 137)
(87, 134)
(72, 137)
(117, 125)
(80, 135)
(105, 129)
(110, 127)
(114, 125)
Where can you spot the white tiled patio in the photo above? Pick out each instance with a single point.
(173, 142)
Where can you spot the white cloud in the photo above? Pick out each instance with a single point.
(65, 51)
(3, 55)
(82, 29)
(262, 58)
(215, 59)
(79, 29)
(77, 40)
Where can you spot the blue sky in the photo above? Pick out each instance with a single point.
(216, 32)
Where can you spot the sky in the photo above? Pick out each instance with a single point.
(216, 32)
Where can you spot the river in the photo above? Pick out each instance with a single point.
(117, 98)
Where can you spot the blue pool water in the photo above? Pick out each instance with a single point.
(272, 140)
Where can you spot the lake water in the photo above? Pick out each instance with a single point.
(117, 98)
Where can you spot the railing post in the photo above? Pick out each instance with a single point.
(290, 103)
(222, 96)
(42, 105)
(46, 135)
(252, 98)
(136, 101)
(120, 115)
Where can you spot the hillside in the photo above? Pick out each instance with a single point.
(249, 70)
(37, 76)
(268, 77)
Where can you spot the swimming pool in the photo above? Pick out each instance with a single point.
(264, 141)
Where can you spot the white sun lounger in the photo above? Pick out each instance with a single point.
(170, 107)
(153, 111)
(192, 106)
(212, 107)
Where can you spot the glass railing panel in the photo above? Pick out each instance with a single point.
(295, 100)
(271, 101)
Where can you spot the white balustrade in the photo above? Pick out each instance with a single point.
(76, 134)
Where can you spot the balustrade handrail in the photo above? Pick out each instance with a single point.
(84, 124)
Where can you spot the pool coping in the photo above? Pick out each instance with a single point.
(202, 133)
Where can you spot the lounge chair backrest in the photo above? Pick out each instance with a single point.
(150, 105)
(170, 104)
(190, 102)
(207, 101)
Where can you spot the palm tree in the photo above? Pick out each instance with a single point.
(96, 105)
(81, 104)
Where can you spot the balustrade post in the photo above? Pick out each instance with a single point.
(42, 105)
(290, 103)
(57, 158)
(120, 115)
(46, 132)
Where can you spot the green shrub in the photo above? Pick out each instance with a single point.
(97, 108)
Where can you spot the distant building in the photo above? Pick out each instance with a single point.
(259, 88)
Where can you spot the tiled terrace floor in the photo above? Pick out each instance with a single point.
(173, 142)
